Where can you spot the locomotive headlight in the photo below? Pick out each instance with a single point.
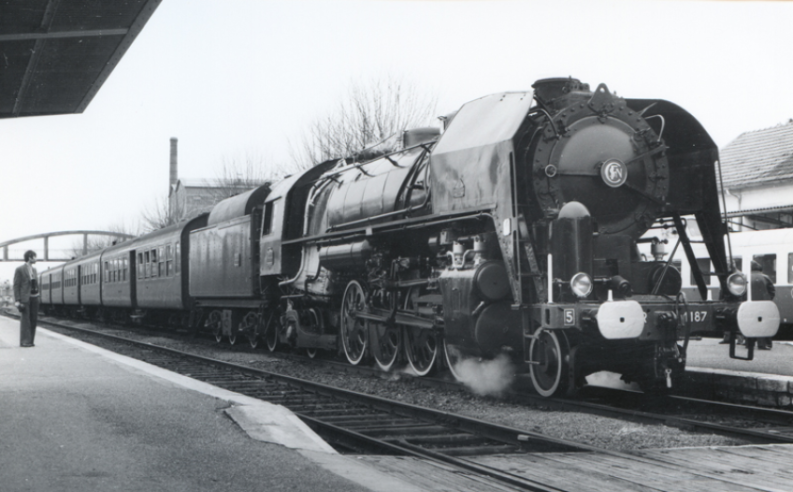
(581, 283)
(736, 284)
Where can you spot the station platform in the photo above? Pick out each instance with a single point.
(77, 418)
(766, 380)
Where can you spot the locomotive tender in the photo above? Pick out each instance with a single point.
(514, 232)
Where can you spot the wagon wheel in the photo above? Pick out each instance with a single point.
(317, 324)
(421, 344)
(386, 341)
(271, 331)
(354, 332)
(233, 334)
(249, 327)
(549, 367)
(215, 324)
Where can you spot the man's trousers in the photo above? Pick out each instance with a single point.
(27, 325)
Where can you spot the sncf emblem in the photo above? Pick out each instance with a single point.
(614, 173)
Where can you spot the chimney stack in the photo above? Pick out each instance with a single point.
(174, 174)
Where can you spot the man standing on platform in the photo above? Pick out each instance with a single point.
(26, 297)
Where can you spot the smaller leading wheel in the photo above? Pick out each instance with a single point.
(549, 363)
(354, 331)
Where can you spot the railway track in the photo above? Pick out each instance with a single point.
(354, 422)
(359, 423)
(759, 425)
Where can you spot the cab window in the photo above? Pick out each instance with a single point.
(704, 267)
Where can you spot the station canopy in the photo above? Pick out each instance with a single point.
(56, 54)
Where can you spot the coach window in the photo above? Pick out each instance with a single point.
(168, 261)
(152, 269)
(704, 267)
(125, 264)
(147, 269)
(106, 274)
(768, 262)
(139, 266)
(161, 265)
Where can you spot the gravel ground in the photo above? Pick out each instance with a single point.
(604, 432)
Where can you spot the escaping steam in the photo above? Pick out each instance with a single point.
(610, 380)
(485, 377)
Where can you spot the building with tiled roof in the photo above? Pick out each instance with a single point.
(757, 174)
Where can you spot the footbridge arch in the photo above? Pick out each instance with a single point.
(46, 237)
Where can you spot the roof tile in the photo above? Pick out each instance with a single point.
(758, 157)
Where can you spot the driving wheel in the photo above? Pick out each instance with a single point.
(354, 332)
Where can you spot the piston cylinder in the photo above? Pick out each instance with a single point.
(352, 255)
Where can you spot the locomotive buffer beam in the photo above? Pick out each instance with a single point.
(386, 316)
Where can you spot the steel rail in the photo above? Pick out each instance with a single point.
(516, 438)
(637, 456)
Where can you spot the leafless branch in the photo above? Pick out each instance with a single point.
(367, 123)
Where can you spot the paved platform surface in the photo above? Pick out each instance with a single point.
(75, 418)
(709, 353)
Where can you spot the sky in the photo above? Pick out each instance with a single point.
(247, 77)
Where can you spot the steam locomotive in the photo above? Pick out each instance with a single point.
(514, 232)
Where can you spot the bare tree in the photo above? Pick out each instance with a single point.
(161, 214)
(241, 173)
(236, 174)
(367, 123)
(96, 243)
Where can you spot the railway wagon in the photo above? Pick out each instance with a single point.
(44, 289)
(117, 286)
(224, 265)
(56, 287)
(71, 285)
(89, 284)
(160, 262)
